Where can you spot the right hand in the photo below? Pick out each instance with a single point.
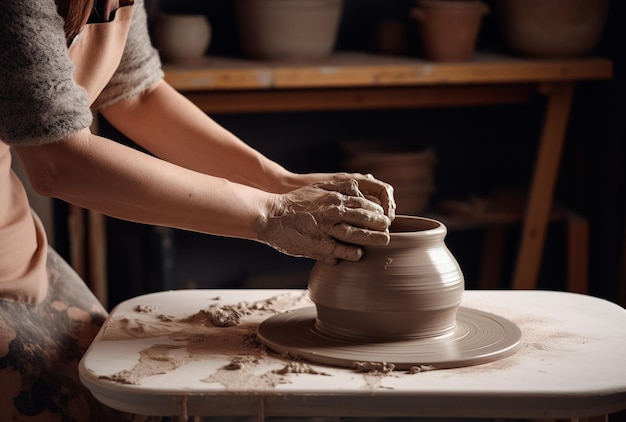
(326, 221)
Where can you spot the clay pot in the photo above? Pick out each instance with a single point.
(409, 289)
(181, 38)
(449, 28)
(288, 29)
(552, 28)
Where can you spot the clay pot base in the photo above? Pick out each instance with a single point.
(479, 337)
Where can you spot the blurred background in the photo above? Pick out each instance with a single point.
(464, 160)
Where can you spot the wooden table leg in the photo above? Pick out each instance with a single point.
(543, 183)
(76, 228)
(97, 256)
(493, 255)
(577, 254)
(621, 284)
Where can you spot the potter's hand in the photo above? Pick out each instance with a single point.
(325, 221)
(372, 188)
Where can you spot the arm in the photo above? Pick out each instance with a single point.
(46, 120)
(97, 173)
(325, 222)
(168, 125)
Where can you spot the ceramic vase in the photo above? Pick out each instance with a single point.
(181, 38)
(288, 29)
(449, 29)
(552, 28)
(409, 289)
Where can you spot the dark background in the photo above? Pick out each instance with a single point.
(478, 150)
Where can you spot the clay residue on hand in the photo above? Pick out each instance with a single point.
(309, 220)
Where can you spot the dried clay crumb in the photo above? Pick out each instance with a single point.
(145, 309)
(416, 369)
(225, 316)
(221, 316)
(240, 362)
(299, 368)
(275, 304)
(374, 367)
(149, 309)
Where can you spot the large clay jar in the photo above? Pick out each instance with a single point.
(552, 28)
(180, 37)
(449, 29)
(409, 289)
(288, 29)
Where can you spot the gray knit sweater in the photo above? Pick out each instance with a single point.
(39, 100)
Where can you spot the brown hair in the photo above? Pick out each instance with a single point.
(76, 13)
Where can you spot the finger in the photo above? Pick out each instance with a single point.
(329, 260)
(346, 186)
(365, 219)
(385, 196)
(362, 203)
(370, 186)
(358, 236)
(347, 252)
(374, 199)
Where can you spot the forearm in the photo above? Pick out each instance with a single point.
(99, 174)
(171, 127)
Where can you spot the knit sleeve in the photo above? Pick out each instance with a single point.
(39, 100)
(140, 66)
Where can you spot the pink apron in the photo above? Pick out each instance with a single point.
(96, 52)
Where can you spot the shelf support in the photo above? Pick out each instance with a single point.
(539, 206)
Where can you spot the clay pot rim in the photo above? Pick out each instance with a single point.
(430, 226)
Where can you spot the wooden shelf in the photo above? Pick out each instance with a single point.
(357, 80)
(355, 69)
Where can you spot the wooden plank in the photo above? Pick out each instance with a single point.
(621, 283)
(492, 257)
(76, 228)
(542, 187)
(361, 69)
(97, 256)
(577, 254)
(215, 102)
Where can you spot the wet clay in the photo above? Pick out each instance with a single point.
(310, 220)
(478, 337)
(398, 305)
(196, 337)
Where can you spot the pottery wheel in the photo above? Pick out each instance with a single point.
(479, 337)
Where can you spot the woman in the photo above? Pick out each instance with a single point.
(58, 61)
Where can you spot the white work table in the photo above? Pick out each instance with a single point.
(571, 363)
